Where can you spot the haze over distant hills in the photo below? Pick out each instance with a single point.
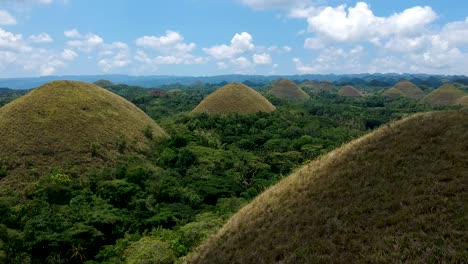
(377, 79)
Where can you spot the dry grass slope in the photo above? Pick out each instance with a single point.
(463, 100)
(447, 94)
(350, 91)
(409, 90)
(396, 195)
(61, 123)
(393, 93)
(234, 98)
(288, 90)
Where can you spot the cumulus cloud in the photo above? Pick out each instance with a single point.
(18, 56)
(170, 49)
(240, 44)
(69, 55)
(6, 18)
(169, 43)
(274, 4)
(353, 24)
(41, 38)
(85, 42)
(262, 59)
(334, 60)
(114, 55)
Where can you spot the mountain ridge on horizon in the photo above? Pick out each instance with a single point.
(151, 81)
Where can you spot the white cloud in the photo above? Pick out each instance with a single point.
(41, 38)
(170, 50)
(334, 60)
(262, 59)
(69, 55)
(114, 55)
(85, 42)
(456, 32)
(242, 65)
(6, 18)
(314, 43)
(272, 4)
(353, 24)
(11, 41)
(240, 44)
(72, 33)
(169, 43)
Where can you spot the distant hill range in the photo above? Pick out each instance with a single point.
(378, 80)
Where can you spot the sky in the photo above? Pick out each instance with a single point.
(215, 37)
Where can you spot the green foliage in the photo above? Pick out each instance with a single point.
(179, 190)
(149, 251)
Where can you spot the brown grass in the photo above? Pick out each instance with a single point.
(396, 195)
(409, 90)
(393, 93)
(350, 91)
(234, 98)
(69, 124)
(447, 94)
(463, 100)
(288, 90)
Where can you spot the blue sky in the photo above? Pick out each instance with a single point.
(213, 37)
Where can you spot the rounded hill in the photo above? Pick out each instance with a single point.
(447, 94)
(409, 89)
(288, 90)
(103, 83)
(396, 195)
(350, 91)
(393, 93)
(68, 124)
(234, 98)
(463, 100)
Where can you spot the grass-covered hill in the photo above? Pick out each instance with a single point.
(349, 91)
(234, 98)
(396, 195)
(393, 93)
(103, 83)
(463, 100)
(286, 89)
(409, 89)
(447, 94)
(70, 124)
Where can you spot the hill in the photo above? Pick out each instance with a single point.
(350, 91)
(447, 94)
(404, 88)
(288, 90)
(103, 83)
(69, 124)
(409, 89)
(393, 93)
(396, 195)
(234, 98)
(463, 100)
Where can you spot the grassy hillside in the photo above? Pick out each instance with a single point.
(396, 195)
(288, 90)
(447, 94)
(463, 100)
(393, 93)
(70, 124)
(234, 98)
(409, 89)
(349, 91)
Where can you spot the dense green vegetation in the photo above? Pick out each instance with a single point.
(396, 195)
(159, 204)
